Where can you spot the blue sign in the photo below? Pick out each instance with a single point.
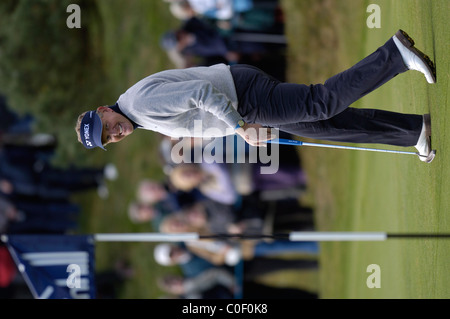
(55, 266)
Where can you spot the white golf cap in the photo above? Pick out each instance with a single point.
(162, 254)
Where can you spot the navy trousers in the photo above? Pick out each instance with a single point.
(321, 111)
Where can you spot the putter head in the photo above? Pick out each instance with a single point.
(427, 158)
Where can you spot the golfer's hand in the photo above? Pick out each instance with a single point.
(255, 134)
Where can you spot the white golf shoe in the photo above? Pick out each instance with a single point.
(413, 58)
(426, 154)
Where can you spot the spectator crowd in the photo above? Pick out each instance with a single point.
(36, 195)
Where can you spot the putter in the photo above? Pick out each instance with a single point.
(300, 143)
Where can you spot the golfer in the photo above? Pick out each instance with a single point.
(240, 99)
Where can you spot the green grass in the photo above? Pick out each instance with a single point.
(365, 191)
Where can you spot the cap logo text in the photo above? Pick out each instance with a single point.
(86, 135)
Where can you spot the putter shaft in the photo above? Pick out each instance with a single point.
(300, 143)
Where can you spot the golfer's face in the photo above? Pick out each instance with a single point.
(115, 127)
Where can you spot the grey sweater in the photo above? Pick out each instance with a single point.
(196, 102)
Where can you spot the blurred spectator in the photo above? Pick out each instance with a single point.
(206, 217)
(181, 9)
(212, 180)
(228, 31)
(37, 216)
(151, 192)
(8, 269)
(8, 214)
(223, 31)
(220, 284)
(220, 252)
(222, 10)
(163, 196)
(155, 200)
(141, 213)
(168, 254)
(196, 39)
(30, 173)
(202, 286)
(214, 9)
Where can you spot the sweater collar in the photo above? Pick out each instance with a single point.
(117, 109)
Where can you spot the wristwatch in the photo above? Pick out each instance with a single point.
(241, 123)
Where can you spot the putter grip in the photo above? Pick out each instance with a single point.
(286, 141)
